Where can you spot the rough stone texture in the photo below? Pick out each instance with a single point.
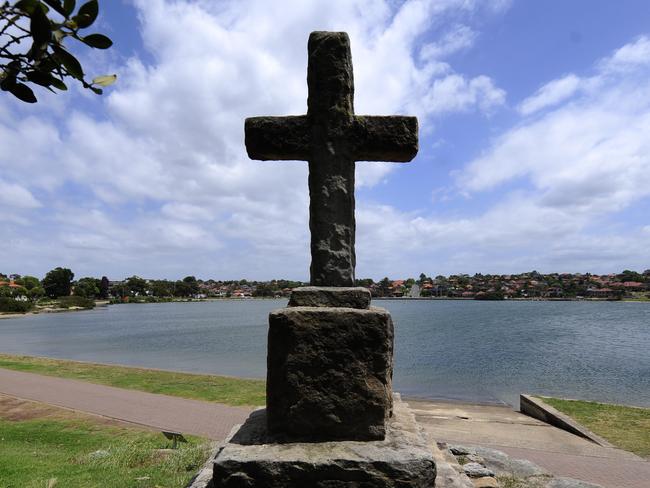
(321, 296)
(486, 482)
(447, 476)
(502, 464)
(331, 138)
(570, 483)
(476, 470)
(329, 373)
(457, 450)
(251, 459)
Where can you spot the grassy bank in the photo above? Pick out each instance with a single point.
(222, 389)
(625, 427)
(43, 446)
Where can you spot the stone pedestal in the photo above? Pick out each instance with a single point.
(329, 373)
(253, 458)
(331, 420)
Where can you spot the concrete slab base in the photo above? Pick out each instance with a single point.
(252, 459)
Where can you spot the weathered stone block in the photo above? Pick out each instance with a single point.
(329, 373)
(253, 459)
(330, 296)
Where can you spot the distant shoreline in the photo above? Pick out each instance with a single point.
(104, 303)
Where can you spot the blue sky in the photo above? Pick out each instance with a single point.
(533, 146)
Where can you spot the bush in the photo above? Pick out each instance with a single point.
(74, 301)
(11, 305)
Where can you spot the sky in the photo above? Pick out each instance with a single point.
(534, 141)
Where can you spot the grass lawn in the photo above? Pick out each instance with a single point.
(222, 389)
(45, 447)
(625, 427)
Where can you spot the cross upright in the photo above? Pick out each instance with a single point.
(331, 138)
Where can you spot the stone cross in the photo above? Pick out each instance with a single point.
(331, 138)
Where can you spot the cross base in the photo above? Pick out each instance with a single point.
(329, 369)
(252, 458)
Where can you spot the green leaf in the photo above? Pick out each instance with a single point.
(69, 61)
(87, 14)
(45, 79)
(56, 83)
(98, 91)
(56, 5)
(68, 6)
(23, 92)
(39, 78)
(40, 27)
(105, 80)
(27, 6)
(98, 41)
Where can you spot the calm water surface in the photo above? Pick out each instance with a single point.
(465, 350)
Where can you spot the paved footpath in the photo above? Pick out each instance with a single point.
(163, 412)
(522, 437)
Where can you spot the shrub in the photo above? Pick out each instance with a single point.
(16, 306)
(74, 301)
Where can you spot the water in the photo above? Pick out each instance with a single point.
(463, 350)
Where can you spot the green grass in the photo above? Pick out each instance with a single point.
(625, 427)
(222, 389)
(70, 453)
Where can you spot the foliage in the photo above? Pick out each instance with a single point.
(187, 287)
(76, 301)
(103, 288)
(36, 293)
(626, 427)
(384, 287)
(489, 295)
(28, 282)
(58, 282)
(14, 306)
(264, 290)
(365, 282)
(136, 285)
(32, 45)
(222, 389)
(87, 288)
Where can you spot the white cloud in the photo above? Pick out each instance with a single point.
(458, 38)
(163, 169)
(629, 57)
(550, 94)
(16, 196)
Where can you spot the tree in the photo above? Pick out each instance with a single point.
(104, 285)
(161, 288)
(264, 290)
(58, 282)
(29, 282)
(136, 285)
(384, 286)
(35, 293)
(87, 288)
(365, 282)
(32, 45)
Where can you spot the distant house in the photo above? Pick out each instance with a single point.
(633, 286)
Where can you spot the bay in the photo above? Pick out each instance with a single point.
(458, 350)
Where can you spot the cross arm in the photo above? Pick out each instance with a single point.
(279, 138)
(391, 138)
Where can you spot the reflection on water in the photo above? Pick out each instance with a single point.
(467, 350)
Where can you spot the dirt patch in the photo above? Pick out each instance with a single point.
(17, 410)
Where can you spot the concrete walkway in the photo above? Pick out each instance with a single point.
(163, 412)
(522, 437)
